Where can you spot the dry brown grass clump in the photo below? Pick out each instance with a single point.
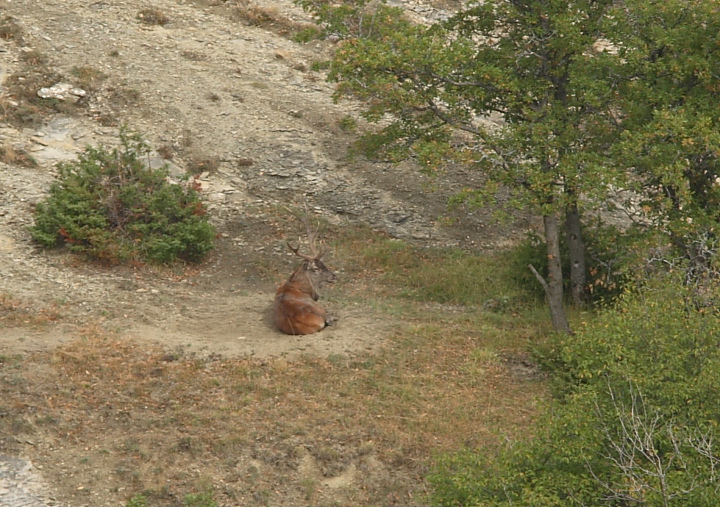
(153, 16)
(10, 30)
(270, 18)
(12, 155)
(87, 77)
(16, 312)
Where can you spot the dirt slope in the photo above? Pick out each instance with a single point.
(238, 100)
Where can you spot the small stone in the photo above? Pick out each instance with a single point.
(61, 91)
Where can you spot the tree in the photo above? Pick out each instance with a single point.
(533, 62)
(669, 90)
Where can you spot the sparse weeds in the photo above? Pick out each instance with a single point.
(193, 55)
(319, 65)
(347, 124)
(153, 16)
(88, 77)
(200, 165)
(10, 30)
(11, 155)
(204, 499)
(25, 107)
(17, 312)
(33, 58)
(270, 18)
(138, 500)
(166, 151)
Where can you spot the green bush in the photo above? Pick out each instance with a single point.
(109, 205)
(635, 422)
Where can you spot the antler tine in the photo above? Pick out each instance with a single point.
(312, 235)
(312, 239)
(296, 252)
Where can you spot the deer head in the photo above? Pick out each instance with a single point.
(313, 269)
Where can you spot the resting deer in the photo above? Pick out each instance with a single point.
(296, 310)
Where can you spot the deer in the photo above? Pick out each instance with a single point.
(296, 310)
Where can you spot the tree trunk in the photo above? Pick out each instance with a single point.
(576, 245)
(553, 286)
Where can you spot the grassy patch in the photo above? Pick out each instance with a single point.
(277, 432)
(447, 276)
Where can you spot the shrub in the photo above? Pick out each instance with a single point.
(109, 205)
(634, 424)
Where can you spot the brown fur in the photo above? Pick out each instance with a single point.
(296, 310)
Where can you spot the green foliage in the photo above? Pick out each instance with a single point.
(433, 81)
(587, 90)
(111, 206)
(307, 34)
(634, 421)
(138, 500)
(432, 87)
(671, 125)
(204, 499)
(356, 19)
(347, 123)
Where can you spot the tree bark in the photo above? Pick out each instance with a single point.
(553, 287)
(576, 246)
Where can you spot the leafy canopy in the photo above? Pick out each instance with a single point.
(434, 89)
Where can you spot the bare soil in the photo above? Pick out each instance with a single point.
(241, 107)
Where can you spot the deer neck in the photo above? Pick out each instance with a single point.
(303, 281)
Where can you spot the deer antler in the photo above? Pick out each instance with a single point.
(312, 235)
(295, 251)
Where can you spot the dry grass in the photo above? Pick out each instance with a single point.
(153, 16)
(10, 30)
(33, 58)
(11, 155)
(270, 18)
(88, 77)
(199, 164)
(149, 416)
(112, 418)
(22, 107)
(16, 312)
